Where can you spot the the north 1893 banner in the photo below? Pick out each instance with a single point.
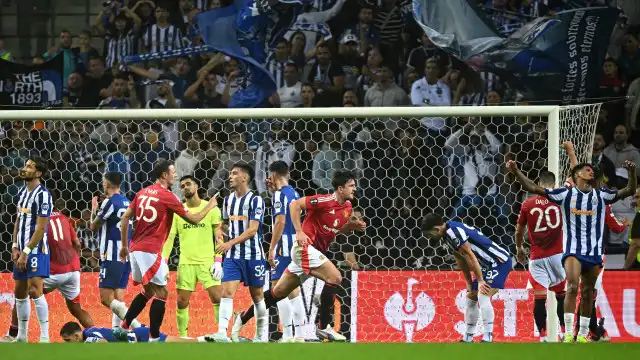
(31, 87)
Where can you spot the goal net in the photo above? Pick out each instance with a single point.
(397, 285)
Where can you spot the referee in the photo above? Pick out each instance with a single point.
(198, 261)
(633, 256)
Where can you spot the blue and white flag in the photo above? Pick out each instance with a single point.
(31, 87)
(555, 58)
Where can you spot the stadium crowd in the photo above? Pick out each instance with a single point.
(376, 56)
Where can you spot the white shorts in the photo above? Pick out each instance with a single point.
(148, 268)
(68, 284)
(305, 259)
(546, 273)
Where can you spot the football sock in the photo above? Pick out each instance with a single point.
(115, 321)
(13, 330)
(42, 312)
(471, 315)
(261, 318)
(271, 300)
(560, 309)
(120, 310)
(327, 299)
(182, 319)
(285, 310)
(156, 316)
(247, 315)
(569, 319)
(486, 310)
(593, 324)
(584, 326)
(540, 315)
(226, 311)
(216, 309)
(297, 307)
(137, 305)
(23, 309)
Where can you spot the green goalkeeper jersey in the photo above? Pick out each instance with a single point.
(197, 242)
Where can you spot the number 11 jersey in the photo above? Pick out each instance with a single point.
(153, 207)
(544, 225)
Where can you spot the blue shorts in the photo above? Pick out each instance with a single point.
(142, 335)
(282, 262)
(37, 266)
(496, 276)
(587, 262)
(250, 272)
(114, 274)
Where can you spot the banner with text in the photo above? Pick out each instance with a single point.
(31, 87)
(428, 306)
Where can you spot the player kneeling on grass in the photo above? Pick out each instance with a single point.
(474, 253)
(71, 332)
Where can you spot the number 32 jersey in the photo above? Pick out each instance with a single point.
(544, 224)
(154, 207)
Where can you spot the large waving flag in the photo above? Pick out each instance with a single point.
(550, 58)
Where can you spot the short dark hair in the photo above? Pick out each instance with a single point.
(113, 177)
(189, 177)
(40, 164)
(279, 167)
(70, 328)
(430, 221)
(341, 178)
(577, 169)
(245, 168)
(161, 166)
(547, 178)
(292, 64)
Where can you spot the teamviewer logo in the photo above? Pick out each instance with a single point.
(409, 315)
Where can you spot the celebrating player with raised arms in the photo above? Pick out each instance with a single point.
(291, 310)
(475, 253)
(153, 208)
(71, 332)
(584, 212)
(30, 249)
(114, 272)
(327, 215)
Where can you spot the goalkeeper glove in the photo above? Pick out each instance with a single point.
(216, 269)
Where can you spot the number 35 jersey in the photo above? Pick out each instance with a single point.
(154, 207)
(110, 213)
(544, 224)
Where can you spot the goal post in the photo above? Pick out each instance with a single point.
(402, 288)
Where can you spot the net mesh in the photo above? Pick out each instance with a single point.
(403, 290)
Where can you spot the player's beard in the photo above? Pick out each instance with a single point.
(25, 177)
(188, 195)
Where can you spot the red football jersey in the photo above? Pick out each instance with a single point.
(154, 207)
(325, 218)
(544, 224)
(60, 233)
(612, 221)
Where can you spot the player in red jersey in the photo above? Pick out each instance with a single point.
(327, 215)
(153, 208)
(64, 248)
(544, 224)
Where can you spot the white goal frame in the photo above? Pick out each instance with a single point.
(551, 112)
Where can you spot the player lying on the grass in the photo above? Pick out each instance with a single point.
(584, 210)
(475, 253)
(71, 332)
(114, 272)
(327, 215)
(64, 266)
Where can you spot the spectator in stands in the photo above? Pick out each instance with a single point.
(276, 147)
(277, 61)
(84, 52)
(165, 96)
(326, 76)
(629, 61)
(202, 93)
(390, 18)
(120, 34)
(620, 150)
(151, 150)
(289, 95)
(366, 34)
(64, 47)
(162, 35)
(236, 151)
(327, 161)
(207, 168)
(189, 158)
(430, 91)
(123, 161)
(365, 81)
(350, 60)
(308, 96)
(384, 91)
(178, 75)
(601, 160)
(350, 96)
(118, 98)
(418, 56)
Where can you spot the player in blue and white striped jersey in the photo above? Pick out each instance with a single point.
(583, 209)
(30, 250)
(114, 273)
(475, 253)
(291, 309)
(242, 213)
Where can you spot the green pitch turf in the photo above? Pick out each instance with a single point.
(313, 351)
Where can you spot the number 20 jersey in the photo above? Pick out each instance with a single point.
(544, 224)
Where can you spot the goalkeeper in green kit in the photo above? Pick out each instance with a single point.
(198, 260)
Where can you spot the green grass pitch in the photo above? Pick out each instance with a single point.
(324, 351)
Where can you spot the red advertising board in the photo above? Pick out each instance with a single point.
(428, 306)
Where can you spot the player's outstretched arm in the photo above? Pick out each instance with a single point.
(194, 219)
(632, 184)
(124, 233)
(526, 183)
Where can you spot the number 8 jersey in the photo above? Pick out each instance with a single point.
(154, 207)
(544, 224)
